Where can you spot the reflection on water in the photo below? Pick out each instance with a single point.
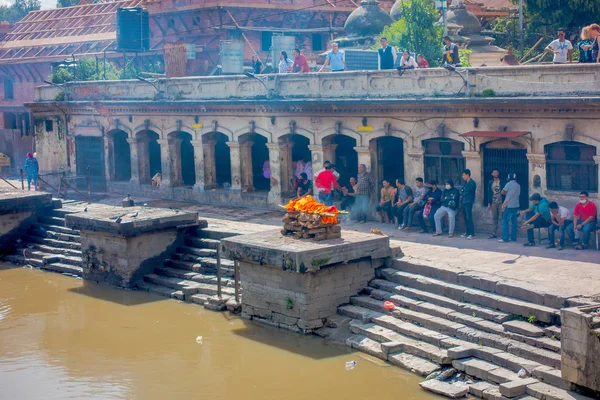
(61, 338)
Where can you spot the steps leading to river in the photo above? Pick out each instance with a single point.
(436, 324)
(190, 274)
(50, 245)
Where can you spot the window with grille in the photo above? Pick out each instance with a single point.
(570, 166)
(444, 160)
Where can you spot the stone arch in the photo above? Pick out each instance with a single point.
(119, 155)
(217, 158)
(219, 129)
(254, 153)
(149, 154)
(148, 126)
(256, 130)
(298, 159)
(311, 136)
(181, 152)
(112, 126)
(340, 150)
(388, 157)
(182, 128)
(327, 133)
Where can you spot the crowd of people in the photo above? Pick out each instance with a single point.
(429, 205)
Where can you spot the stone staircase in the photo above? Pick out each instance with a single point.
(190, 274)
(503, 346)
(50, 245)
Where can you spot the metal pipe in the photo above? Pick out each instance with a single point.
(23, 181)
(521, 32)
(219, 270)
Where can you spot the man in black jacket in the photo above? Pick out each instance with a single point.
(387, 55)
(468, 199)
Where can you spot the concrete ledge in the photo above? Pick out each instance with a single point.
(19, 201)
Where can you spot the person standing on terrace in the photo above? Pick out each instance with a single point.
(335, 58)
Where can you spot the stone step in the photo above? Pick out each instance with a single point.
(51, 220)
(450, 390)
(71, 260)
(57, 244)
(212, 279)
(56, 228)
(468, 320)
(209, 261)
(196, 251)
(208, 233)
(201, 243)
(64, 268)
(175, 273)
(442, 301)
(393, 342)
(479, 297)
(157, 289)
(54, 250)
(544, 391)
(484, 370)
(54, 235)
(203, 267)
(414, 364)
(461, 332)
(186, 286)
(200, 299)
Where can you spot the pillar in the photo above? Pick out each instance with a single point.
(210, 166)
(143, 160)
(135, 164)
(473, 162)
(247, 167)
(537, 166)
(414, 165)
(317, 157)
(175, 161)
(275, 158)
(199, 165)
(165, 162)
(236, 166)
(109, 159)
(287, 169)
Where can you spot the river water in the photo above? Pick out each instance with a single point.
(62, 338)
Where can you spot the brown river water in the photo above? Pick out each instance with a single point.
(61, 338)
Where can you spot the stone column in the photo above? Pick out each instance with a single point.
(135, 163)
(165, 162)
(199, 165)
(210, 166)
(414, 165)
(537, 166)
(236, 166)
(364, 156)
(175, 160)
(287, 170)
(143, 157)
(275, 158)
(473, 162)
(109, 159)
(317, 157)
(246, 165)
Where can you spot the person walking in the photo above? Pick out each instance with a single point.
(561, 48)
(325, 182)
(434, 200)
(32, 169)
(336, 59)
(494, 195)
(560, 219)
(285, 64)
(404, 196)
(584, 220)
(510, 208)
(468, 200)
(387, 55)
(384, 209)
(364, 188)
(538, 216)
(450, 199)
(414, 207)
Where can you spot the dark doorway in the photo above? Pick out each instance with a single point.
(300, 150)
(89, 153)
(122, 156)
(346, 158)
(390, 159)
(506, 161)
(260, 154)
(188, 166)
(222, 159)
(154, 156)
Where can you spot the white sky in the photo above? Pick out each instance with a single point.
(46, 4)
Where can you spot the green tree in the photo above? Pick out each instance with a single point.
(66, 3)
(85, 69)
(416, 31)
(16, 11)
(553, 14)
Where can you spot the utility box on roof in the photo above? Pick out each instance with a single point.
(133, 29)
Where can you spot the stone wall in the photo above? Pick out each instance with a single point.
(18, 210)
(301, 302)
(580, 346)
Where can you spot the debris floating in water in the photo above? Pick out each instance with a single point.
(350, 365)
(199, 340)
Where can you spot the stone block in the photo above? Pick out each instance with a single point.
(520, 290)
(474, 367)
(414, 364)
(450, 390)
(523, 328)
(501, 375)
(544, 391)
(477, 389)
(493, 393)
(459, 352)
(551, 376)
(517, 387)
(366, 345)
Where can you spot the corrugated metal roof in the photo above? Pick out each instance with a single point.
(494, 5)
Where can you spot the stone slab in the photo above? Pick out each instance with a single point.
(450, 390)
(304, 255)
(12, 201)
(516, 388)
(135, 221)
(523, 328)
(477, 389)
(414, 364)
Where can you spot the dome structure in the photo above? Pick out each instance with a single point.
(367, 20)
(396, 11)
(459, 15)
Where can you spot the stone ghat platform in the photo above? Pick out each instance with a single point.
(13, 201)
(297, 284)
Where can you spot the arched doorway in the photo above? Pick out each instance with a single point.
(188, 166)
(217, 159)
(390, 159)
(345, 157)
(507, 156)
(444, 160)
(149, 155)
(121, 156)
(298, 160)
(259, 154)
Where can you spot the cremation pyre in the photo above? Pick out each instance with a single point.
(309, 219)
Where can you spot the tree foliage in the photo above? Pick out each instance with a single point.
(92, 69)
(416, 31)
(569, 14)
(66, 3)
(16, 11)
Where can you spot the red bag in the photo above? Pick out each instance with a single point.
(427, 209)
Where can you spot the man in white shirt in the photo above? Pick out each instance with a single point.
(561, 48)
(560, 218)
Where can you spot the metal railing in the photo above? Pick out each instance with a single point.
(67, 182)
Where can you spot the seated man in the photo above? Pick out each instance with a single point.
(538, 216)
(384, 209)
(560, 219)
(584, 220)
(304, 185)
(433, 202)
(404, 196)
(349, 195)
(416, 206)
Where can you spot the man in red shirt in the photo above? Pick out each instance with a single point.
(326, 181)
(584, 219)
(300, 62)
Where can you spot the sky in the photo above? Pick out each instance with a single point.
(46, 4)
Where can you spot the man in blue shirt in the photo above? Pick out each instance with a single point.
(335, 58)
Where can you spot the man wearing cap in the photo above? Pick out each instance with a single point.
(537, 216)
